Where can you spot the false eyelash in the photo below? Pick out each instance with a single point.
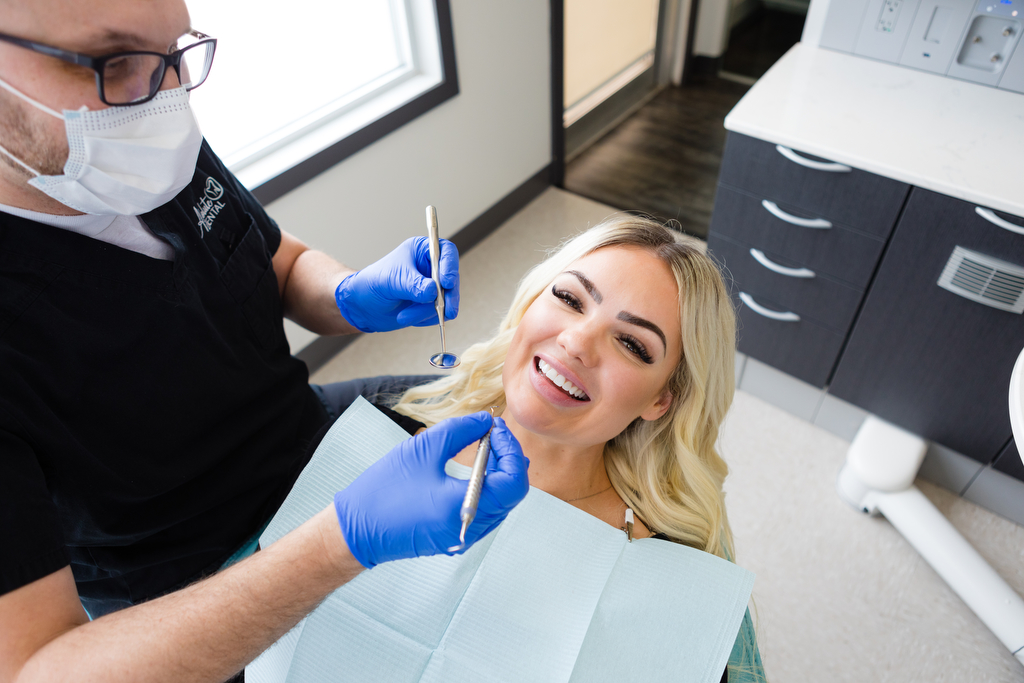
(637, 348)
(567, 297)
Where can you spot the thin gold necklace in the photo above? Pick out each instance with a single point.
(573, 500)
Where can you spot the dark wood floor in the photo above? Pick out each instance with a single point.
(664, 159)
(760, 40)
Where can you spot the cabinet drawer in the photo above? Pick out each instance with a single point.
(862, 200)
(841, 253)
(825, 301)
(1000, 234)
(801, 349)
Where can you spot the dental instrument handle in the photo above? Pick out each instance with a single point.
(476, 483)
(435, 269)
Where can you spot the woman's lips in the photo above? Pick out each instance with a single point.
(548, 375)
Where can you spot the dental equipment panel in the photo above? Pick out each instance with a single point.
(972, 40)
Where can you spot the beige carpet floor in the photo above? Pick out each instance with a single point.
(839, 596)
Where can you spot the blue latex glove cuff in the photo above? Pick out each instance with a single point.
(404, 505)
(397, 291)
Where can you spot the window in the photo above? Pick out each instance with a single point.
(298, 86)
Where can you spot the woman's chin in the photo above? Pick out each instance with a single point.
(537, 417)
(542, 428)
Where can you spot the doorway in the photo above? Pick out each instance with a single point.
(760, 34)
(661, 156)
(609, 65)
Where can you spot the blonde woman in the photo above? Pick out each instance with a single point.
(614, 370)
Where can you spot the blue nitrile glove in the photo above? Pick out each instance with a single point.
(397, 291)
(404, 505)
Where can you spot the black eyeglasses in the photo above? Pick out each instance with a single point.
(125, 78)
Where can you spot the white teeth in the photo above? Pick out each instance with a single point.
(559, 380)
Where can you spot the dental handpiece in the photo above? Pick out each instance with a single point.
(476, 484)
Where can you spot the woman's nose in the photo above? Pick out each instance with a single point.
(579, 341)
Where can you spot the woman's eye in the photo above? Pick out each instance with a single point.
(567, 297)
(634, 346)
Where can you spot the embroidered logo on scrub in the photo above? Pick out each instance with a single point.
(209, 205)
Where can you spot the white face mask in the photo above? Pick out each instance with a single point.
(123, 160)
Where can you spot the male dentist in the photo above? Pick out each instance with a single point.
(152, 418)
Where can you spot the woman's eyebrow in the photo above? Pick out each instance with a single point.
(635, 320)
(587, 285)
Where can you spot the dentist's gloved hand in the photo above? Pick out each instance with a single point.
(397, 291)
(404, 505)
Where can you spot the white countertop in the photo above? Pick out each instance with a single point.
(958, 138)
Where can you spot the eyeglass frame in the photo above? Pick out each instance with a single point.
(172, 60)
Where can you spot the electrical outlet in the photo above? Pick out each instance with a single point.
(887, 18)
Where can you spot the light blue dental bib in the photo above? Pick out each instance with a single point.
(553, 595)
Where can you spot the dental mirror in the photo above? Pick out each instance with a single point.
(443, 360)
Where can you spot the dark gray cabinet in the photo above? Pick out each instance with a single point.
(873, 324)
(822, 300)
(798, 238)
(925, 358)
(806, 347)
(863, 200)
(839, 251)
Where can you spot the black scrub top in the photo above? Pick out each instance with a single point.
(151, 414)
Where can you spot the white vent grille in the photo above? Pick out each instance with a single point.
(984, 279)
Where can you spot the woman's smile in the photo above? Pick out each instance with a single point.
(551, 373)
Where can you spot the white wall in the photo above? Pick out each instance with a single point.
(462, 156)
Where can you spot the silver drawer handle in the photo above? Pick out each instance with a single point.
(830, 166)
(787, 316)
(774, 210)
(781, 270)
(991, 217)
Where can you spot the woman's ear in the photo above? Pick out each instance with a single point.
(659, 407)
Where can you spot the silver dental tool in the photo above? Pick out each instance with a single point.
(476, 484)
(443, 360)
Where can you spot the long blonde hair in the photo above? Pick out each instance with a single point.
(667, 470)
